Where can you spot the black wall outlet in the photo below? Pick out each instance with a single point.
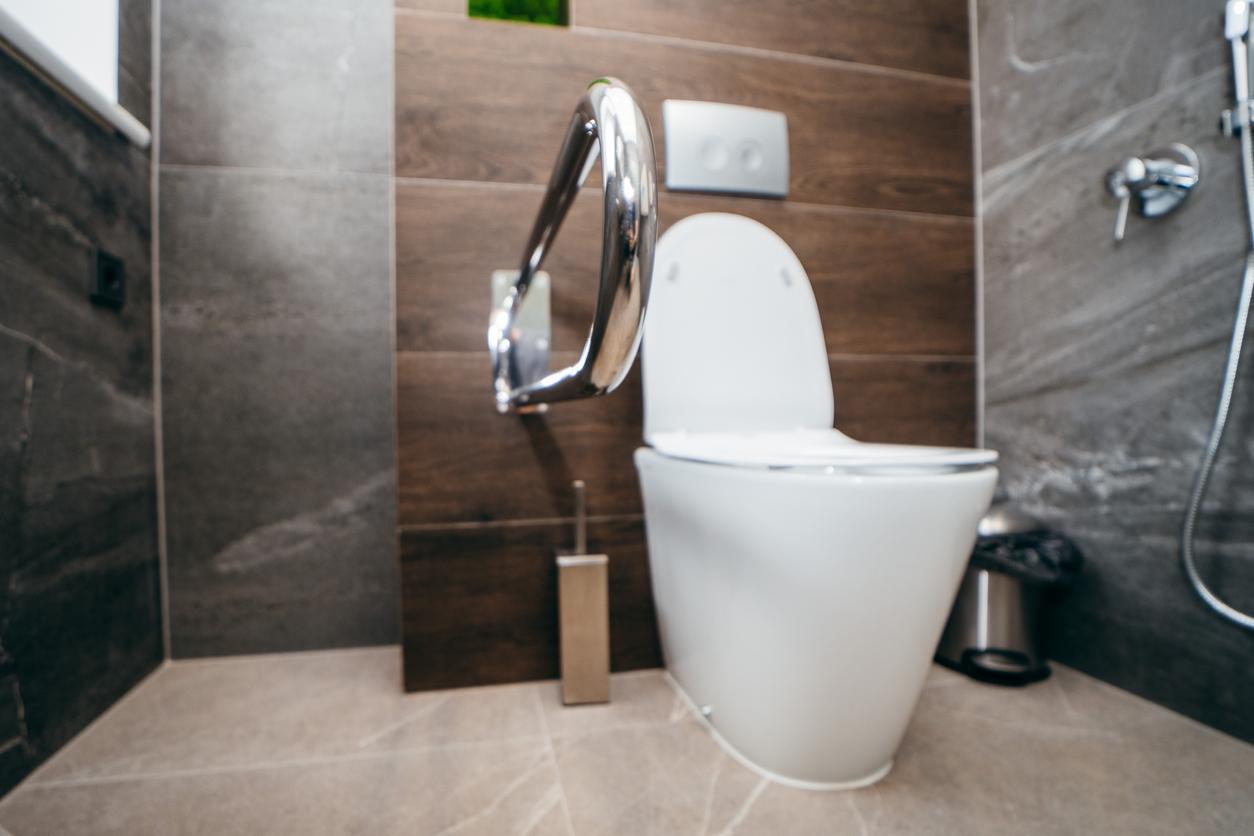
(108, 281)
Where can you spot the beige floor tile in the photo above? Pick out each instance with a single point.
(667, 778)
(264, 709)
(982, 759)
(327, 743)
(778, 810)
(488, 789)
(636, 698)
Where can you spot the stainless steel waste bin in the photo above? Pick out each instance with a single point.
(994, 632)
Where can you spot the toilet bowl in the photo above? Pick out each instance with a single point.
(802, 579)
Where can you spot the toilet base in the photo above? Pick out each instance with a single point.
(794, 783)
(805, 606)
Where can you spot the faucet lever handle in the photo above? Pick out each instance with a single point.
(1160, 181)
(1120, 182)
(1121, 214)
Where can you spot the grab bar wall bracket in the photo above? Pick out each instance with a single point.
(607, 118)
(529, 349)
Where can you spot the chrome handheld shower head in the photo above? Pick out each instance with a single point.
(1236, 19)
(1235, 121)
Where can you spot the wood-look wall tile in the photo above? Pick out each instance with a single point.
(449, 239)
(928, 36)
(900, 401)
(885, 283)
(480, 603)
(460, 461)
(485, 100)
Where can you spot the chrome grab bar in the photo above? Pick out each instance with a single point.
(607, 117)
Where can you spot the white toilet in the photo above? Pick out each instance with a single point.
(802, 579)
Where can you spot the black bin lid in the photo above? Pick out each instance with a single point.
(1016, 544)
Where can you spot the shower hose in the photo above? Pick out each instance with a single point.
(1204, 471)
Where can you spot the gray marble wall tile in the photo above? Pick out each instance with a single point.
(135, 58)
(67, 187)
(276, 323)
(1048, 224)
(1047, 69)
(80, 614)
(14, 361)
(16, 757)
(278, 414)
(1103, 362)
(303, 84)
(83, 620)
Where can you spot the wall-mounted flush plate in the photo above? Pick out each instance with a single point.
(713, 147)
(531, 342)
(108, 281)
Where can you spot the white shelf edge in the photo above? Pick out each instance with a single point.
(15, 36)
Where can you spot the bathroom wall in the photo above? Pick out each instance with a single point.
(276, 324)
(880, 212)
(1103, 362)
(80, 616)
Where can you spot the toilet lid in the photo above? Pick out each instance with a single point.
(810, 448)
(733, 341)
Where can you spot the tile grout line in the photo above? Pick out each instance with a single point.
(808, 206)
(405, 11)
(392, 728)
(547, 735)
(398, 598)
(746, 807)
(526, 522)
(454, 182)
(158, 419)
(32, 780)
(557, 770)
(430, 13)
(708, 808)
(495, 803)
(910, 358)
(718, 46)
(285, 654)
(977, 178)
(965, 357)
(676, 719)
(1146, 701)
(779, 55)
(329, 759)
(273, 171)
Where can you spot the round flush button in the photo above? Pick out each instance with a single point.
(751, 156)
(714, 154)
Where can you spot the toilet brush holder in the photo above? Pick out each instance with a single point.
(583, 604)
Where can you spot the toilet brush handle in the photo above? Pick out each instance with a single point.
(581, 518)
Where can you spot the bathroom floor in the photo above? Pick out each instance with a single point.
(324, 743)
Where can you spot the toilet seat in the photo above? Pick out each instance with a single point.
(827, 450)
